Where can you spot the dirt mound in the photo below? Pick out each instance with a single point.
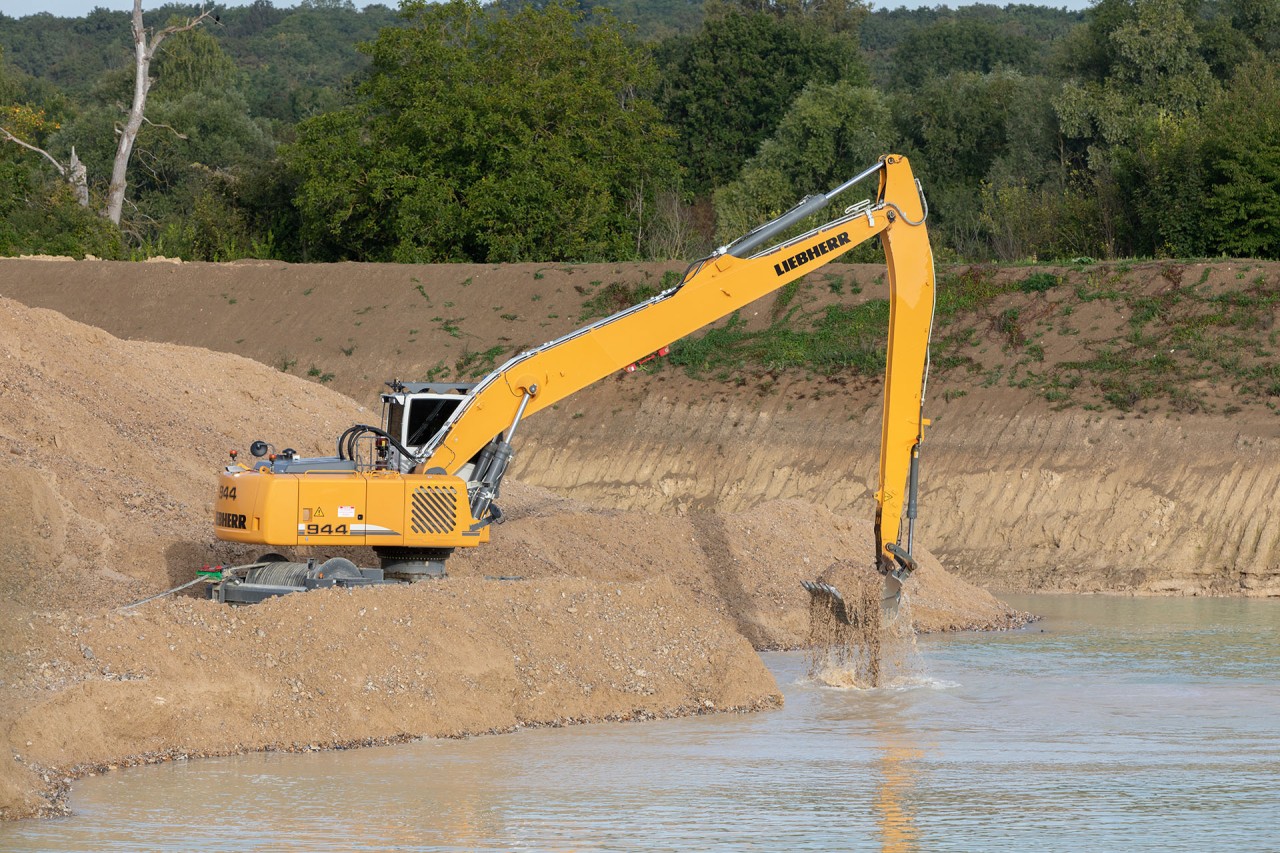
(188, 677)
(106, 496)
(107, 449)
(746, 566)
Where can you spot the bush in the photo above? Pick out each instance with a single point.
(1039, 282)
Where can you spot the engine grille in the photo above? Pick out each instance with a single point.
(434, 509)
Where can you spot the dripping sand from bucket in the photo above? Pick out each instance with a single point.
(869, 650)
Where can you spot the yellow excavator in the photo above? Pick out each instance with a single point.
(424, 482)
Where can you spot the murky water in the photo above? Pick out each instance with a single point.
(1114, 724)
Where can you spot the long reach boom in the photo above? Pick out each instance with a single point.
(425, 481)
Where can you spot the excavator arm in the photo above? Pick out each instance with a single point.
(715, 287)
(414, 502)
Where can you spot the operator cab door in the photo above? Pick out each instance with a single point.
(331, 508)
(416, 418)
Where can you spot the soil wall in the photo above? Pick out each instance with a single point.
(1013, 497)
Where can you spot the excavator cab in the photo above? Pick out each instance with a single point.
(416, 412)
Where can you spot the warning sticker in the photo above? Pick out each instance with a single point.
(346, 512)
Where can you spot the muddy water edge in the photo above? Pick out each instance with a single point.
(1113, 723)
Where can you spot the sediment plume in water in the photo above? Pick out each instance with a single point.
(866, 651)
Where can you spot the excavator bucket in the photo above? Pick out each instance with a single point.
(891, 596)
(824, 594)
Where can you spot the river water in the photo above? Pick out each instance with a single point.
(1113, 724)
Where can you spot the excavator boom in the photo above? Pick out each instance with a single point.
(430, 481)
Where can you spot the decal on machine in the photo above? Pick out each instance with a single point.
(345, 530)
(234, 520)
(324, 529)
(812, 253)
(372, 530)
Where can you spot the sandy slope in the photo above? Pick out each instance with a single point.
(1014, 495)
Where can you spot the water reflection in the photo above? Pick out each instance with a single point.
(894, 802)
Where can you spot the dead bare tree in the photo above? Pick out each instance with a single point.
(144, 49)
(145, 44)
(671, 231)
(74, 171)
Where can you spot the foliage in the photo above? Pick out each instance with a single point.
(653, 20)
(830, 133)
(1137, 109)
(842, 339)
(487, 138)
(1242, 166)
(192, 61)
(614, 297)
(196, 147)
(886, 29)
(966, 44)
(1039, 282)
(1021, 222)
(293, 61)
(39, 217)
(727, 87)
(979, 141)
(1137, 127)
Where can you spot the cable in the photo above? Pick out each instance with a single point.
(163, 594)
(229, 571)
(924, 203)
(347, 441)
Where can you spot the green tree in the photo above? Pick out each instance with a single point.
(845, 16)
(39, 210)
(830, 133)
(487, 137)
(1135, 129)
(1242, 163)
(727, 87)
(1257, 20)
(193, 61)
(191, 155)
(1154, 69)
(967, 129)
(962, 45)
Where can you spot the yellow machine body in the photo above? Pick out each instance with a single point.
(371, 508)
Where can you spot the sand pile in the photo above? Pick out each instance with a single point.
(746, 566)
(109, 448)
(107, 488)
(190, 677)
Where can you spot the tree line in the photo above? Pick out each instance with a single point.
(580, 131)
